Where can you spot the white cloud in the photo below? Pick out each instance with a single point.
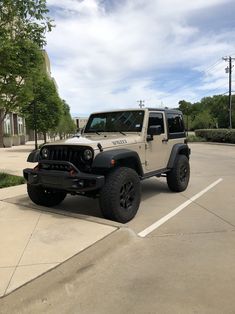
(102, 59)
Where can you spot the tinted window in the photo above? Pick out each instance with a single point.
(156, 119)
(175, 123)
(123, 121)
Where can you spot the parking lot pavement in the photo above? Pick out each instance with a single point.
(185, 265)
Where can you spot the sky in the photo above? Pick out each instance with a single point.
(108, 54)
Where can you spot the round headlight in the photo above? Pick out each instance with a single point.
(45, 153)
(87, 154)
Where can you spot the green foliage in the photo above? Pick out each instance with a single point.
(203, 120)
(45, 109)
(185, 107)
(23, 25)
(194, 138)
(19, 62)
(210, 112)
(10, 180)
(217, 135)
(66, 124)
(24, 19)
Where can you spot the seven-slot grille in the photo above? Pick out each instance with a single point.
(72, 154)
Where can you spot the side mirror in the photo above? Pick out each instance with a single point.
(155, 130)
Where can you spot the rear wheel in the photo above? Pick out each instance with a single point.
(178, 177)
(120, 196)
(45, 196)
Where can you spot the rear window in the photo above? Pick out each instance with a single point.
(156, 119)
(175, 123)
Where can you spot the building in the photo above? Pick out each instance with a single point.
(80, 122)
(14, 131)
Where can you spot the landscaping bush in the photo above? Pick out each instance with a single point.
(194, 138)
(217, 135)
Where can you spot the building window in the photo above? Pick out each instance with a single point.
(20, 125)
(7, 125)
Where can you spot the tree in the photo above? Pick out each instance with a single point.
(218, 106)
(204, 120)
(210, 112)
(66, 124)
(185, 107)
(24, 19)
(44, 111)
(23, 25)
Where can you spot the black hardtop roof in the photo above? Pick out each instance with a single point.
(167, 110)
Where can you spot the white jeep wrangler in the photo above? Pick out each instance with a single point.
(116, 150)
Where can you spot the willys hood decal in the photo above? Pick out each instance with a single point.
(106, 140)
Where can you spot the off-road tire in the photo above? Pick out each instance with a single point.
(45, 196)
(178, 177)
(121, 194)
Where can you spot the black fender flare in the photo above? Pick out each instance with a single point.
(34, 156)
(118, 157)
(178, 149)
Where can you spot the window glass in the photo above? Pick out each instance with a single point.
(124, 121)
(156, 119)
(98, 123)
(175, 123)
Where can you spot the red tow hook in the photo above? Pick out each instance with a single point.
(72, 172)
(37, 168)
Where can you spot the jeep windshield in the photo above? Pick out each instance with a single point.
(120, 121)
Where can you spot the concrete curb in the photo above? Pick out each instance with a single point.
(212, 143)
(54, 282)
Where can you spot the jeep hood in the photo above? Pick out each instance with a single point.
(106, 140)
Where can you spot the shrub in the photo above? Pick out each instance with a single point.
(194, 138)
(217, 135)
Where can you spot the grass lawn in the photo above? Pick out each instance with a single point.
(10, 180)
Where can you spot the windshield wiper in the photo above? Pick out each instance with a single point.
(122, 133)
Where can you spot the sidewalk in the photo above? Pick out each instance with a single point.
(35, 239)
(14, 159)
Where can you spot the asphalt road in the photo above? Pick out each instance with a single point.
(184, 265)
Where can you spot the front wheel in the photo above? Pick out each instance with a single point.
(121, 194)
(178, 177)
(45, 196)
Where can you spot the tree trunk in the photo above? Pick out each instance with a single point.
(45, 137)
(1, 128)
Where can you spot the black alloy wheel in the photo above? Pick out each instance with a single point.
(121, 194)
(178, 177)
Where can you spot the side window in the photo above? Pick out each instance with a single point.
(175, 123)
(156, 119)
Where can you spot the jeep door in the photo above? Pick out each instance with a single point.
(157, 150)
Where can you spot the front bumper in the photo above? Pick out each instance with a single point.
(66, 177)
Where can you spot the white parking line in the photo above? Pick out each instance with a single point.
(174, 212)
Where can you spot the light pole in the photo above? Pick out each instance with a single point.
(229, 71)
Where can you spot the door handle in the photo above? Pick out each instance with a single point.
(165, 140)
